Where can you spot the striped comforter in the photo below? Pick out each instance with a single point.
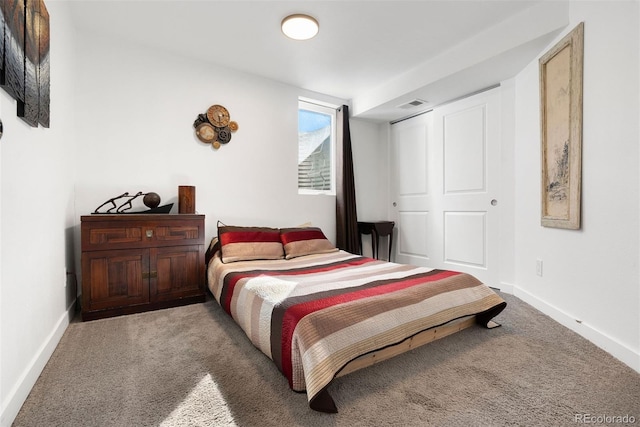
(314, 314)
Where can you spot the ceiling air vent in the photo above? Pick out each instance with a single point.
(412, 104)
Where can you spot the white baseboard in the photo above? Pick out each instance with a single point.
(18, 394)
(507, 288)
(609, 344)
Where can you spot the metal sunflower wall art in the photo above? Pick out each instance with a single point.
(215, 126)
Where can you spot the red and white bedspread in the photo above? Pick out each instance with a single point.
(313, 314)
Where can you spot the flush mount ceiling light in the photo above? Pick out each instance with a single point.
(300, 27)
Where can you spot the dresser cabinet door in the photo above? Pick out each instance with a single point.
(176, 272)
(115, 278)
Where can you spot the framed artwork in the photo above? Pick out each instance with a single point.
(24, 58)
(13, 53)
(561, 131)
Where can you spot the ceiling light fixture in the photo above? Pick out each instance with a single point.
(300, 27)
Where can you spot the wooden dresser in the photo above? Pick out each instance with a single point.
(140, 262)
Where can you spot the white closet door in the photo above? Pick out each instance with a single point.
(445, 177)
(412, 186)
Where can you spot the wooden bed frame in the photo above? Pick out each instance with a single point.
(323, 401)
(410, 343)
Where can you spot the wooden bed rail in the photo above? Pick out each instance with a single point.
(415, 341)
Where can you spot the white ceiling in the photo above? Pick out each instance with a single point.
(362, 50)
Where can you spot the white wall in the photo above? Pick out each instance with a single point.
(590, 275)
(37, 216)
(135, 113)
(371, 170)
(507, 187)
(136, 108)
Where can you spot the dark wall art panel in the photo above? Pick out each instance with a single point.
(43, 69)
(25, 58)
(1, 47)
(13, 12)
(28, 110)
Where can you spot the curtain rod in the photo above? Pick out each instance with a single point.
(393, 122)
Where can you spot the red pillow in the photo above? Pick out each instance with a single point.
(249, 243)
(301, 241)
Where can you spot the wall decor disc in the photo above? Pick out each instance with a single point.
(215, 126)
(224, 135)
(206, 133)
(202, 118)
(218, 116)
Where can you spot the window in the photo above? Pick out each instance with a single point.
(316, 148)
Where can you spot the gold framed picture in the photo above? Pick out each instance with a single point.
(561, 131)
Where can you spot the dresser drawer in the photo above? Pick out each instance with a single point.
(108, 232)
(177, 232)
(101, 235)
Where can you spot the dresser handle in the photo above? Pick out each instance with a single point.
(149, 234)
(150, 275)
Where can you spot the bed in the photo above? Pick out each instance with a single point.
(319, 313)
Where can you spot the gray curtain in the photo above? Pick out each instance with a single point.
(347, 237)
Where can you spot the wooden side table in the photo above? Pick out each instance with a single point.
(377, 229)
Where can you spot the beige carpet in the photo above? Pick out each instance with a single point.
(192, 366)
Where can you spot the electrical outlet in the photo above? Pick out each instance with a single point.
(539, 267)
